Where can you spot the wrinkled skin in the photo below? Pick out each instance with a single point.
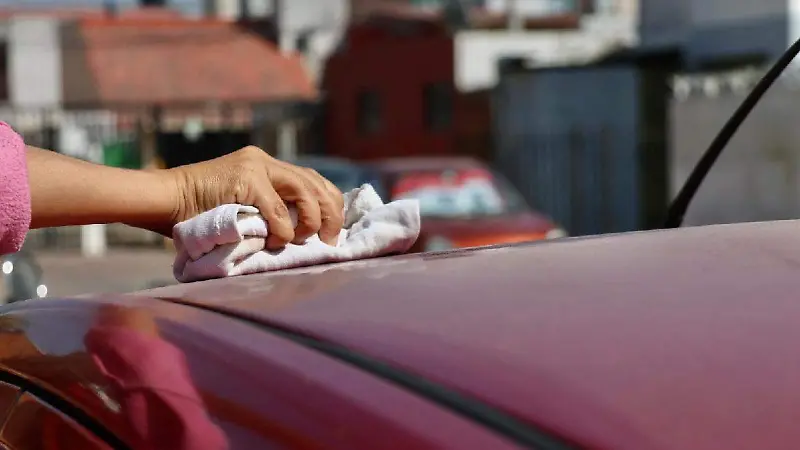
(252, 177)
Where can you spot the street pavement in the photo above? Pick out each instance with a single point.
(119, 271)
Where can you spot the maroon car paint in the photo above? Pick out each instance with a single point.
(526, 226)
(261, 390)
(681, 339)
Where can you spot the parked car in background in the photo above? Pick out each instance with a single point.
(463, 203)
(343, 173)
(22, 277)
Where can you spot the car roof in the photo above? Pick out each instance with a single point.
(661, 340)
(394, 165)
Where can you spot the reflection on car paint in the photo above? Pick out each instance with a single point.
(35, 424)
(259, 390)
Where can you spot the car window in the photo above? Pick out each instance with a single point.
(345, 180)
(458, 193)
(35, 425)
(349, 179)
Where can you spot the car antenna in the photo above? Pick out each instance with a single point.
(680, 205)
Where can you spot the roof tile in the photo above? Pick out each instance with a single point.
(153, 60)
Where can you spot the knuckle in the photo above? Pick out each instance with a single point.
(280, 210)
(315, 190)
(252, 152)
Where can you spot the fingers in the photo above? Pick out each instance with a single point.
(273, 208)
(319, 206)
(331, 205)
(309, 214)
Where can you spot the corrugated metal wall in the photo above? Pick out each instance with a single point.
(758, 176)
(569, 138)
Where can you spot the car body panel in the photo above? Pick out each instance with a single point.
(258, 390)
(661, 340)
(512, 229)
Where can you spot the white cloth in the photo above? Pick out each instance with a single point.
(230, 240)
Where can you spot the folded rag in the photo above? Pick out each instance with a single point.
(230, 240)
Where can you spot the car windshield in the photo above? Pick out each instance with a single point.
(344, 177)
(459, 193)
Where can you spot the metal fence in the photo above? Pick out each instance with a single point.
(580, 178)
(572, 139)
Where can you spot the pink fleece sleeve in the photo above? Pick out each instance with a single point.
(15, 195)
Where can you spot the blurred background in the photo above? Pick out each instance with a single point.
(510, 120)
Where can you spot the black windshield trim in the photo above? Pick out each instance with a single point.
(62, 405)
(521, 433)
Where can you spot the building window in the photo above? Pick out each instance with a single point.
(438, 106)
(368, 110)
(3, 72)
(302, 42)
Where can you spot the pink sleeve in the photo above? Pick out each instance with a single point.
(15, 196)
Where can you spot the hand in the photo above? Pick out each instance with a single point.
(250, 176)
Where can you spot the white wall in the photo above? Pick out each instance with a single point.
(231, 9)
(34, 59)
(477, 53)
(326, 20)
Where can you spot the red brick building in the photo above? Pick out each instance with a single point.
(389, 90)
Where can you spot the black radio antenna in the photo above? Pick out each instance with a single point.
(677, 209)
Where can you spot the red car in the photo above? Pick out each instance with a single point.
(663, 340)
(463, 203)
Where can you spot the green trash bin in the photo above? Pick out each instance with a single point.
(123, 154)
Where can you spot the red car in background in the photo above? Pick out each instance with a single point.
(463, 203)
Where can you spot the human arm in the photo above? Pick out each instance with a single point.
(67, 191)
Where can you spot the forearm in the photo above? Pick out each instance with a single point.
(69, 191)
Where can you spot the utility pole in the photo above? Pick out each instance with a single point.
(516, 21)
(287, 129)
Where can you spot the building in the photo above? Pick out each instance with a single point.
(411, 81)
(714, 33)
(142, 87)
(150, 69)
(310, 28)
